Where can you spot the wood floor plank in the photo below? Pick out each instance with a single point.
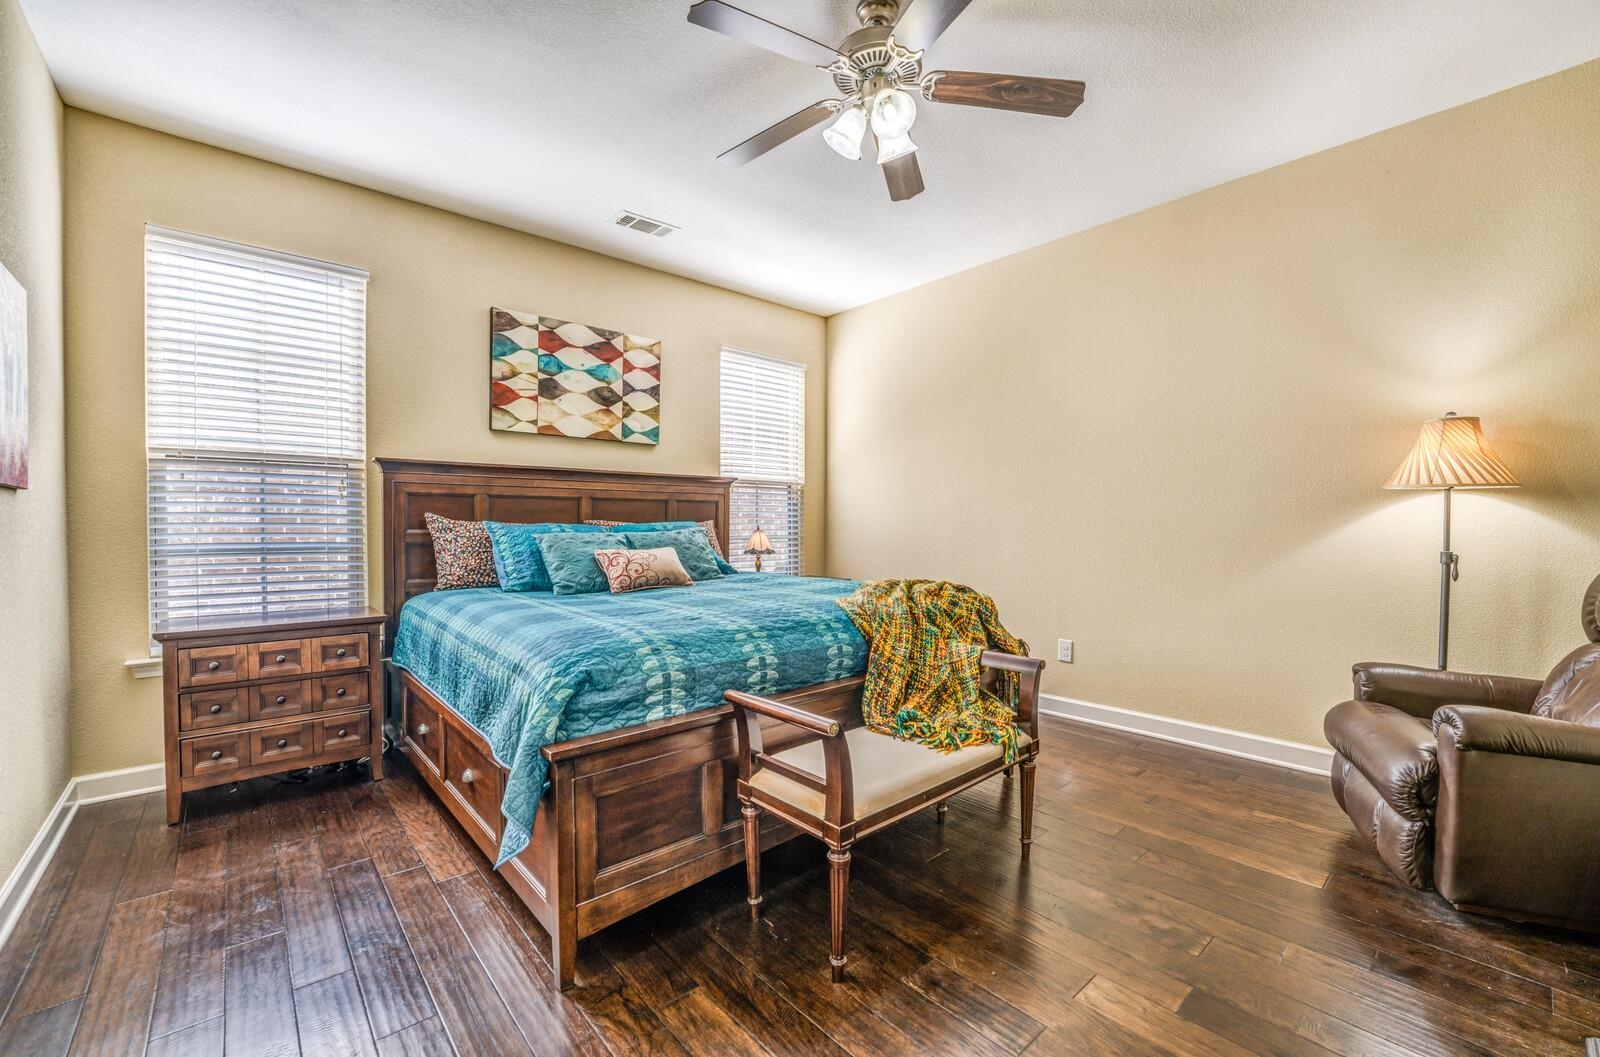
(427, 1039)
(472, 1010)
(310, 914)
(254, 906)
(433, 836)
(190, 988)
(549, 1022)
(65, 957)
(391, 984)
(387, 840)
(1147, 1020)
(42, 1033)
(197, 1040)
(708, 1028)
(115, 1020)
(260, 1021)
(34, 921)
(153, 860)
(331, 1019)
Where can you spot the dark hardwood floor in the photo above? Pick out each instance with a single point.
(1177, 903)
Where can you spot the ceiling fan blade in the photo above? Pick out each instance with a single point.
(778, 134)
(922, 21)
(904, 176)
(742, 25)
(1003, 91)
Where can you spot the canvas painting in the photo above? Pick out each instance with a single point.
(13, 382)
(570, 380)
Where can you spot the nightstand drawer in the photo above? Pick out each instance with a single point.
(209, 665)
(277, 700)
(344, 732)
(283, 744)
(214, 755)
(211, 708)
(341, 691)
(336, 652)
(271, 659)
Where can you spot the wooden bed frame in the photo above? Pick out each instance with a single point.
(632, 815)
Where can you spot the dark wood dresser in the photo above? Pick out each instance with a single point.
(249, 698)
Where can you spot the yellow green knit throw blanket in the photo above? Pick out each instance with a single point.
(922, 675)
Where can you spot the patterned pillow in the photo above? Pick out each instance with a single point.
(639, 570)
(462, 553)
(666, 526)
(569, 560)
(517, 557)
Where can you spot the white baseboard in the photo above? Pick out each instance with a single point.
(85, 789)
(1291, 754)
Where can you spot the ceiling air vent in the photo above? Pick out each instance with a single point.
(644, 225)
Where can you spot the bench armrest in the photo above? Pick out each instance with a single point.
(1418, 691)
(799, 717)
(1026, 670)
(838, 781)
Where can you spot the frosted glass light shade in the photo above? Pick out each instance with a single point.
(896, 147)
(893, 113)
(844, 135)
(1452, 453)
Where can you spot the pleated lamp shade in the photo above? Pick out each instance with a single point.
(1451, 453)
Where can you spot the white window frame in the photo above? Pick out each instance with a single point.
(770, 491)
(269, 517)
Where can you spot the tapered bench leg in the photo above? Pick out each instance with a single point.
(752, 856)
(839, 892)
(1028, 766)
(944, 809)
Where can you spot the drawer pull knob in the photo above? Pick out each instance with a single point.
(340, 692)
(279, 659)
(215, 709)
(216, 754)
(213, 666)
(283, 743)
(339, 652)
(281, 699)
(343, 731)
(422, 730)
(467, 777)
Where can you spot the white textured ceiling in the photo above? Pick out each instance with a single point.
(551, 115)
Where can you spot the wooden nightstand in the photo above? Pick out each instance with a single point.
(249, 698)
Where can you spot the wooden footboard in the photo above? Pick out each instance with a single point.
(631, 816)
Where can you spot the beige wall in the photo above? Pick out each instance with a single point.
(434, 276)
(33, 550)
(1164, 438)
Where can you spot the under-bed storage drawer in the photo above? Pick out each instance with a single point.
(476, 778)
(424, 732)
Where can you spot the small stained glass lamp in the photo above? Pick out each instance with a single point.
(758, 545)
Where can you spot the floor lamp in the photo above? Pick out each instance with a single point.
(1450, 454)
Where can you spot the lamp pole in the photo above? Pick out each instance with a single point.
(1449, 570)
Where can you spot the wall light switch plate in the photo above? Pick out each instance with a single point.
(1064, 650)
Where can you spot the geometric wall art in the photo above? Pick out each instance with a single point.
(13, 382)
(570, 380)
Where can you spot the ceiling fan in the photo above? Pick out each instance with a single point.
(876, 69)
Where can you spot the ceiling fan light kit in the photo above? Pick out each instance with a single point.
(875, 70)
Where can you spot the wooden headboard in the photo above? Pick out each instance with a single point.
(475, 492)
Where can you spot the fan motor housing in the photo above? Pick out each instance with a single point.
(872, 52)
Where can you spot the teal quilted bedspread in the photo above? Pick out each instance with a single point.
(530, 668)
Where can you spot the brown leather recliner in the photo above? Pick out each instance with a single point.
(1486, 787)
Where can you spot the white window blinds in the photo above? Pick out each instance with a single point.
(255, 429)
(763, 444)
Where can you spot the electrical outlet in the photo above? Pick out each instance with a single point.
(1064, 650)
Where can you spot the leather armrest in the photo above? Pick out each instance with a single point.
(1418, 691)
(1465, 728)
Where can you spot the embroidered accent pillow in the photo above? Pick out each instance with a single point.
(627, 570)
(694, 550)
(569, 560)
(710, 528)
(462, 553)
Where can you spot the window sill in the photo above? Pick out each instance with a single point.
(144, 667)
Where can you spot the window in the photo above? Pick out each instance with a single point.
(255, 432)
(764, 445)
